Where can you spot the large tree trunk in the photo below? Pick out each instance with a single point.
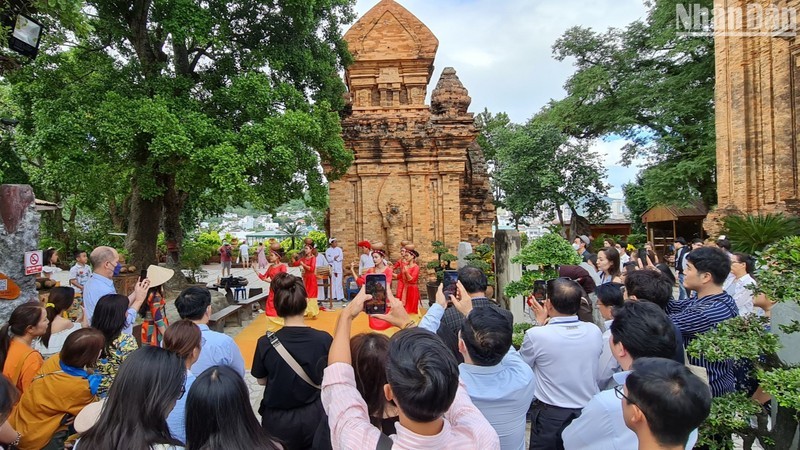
(143, 226)
(174, 201)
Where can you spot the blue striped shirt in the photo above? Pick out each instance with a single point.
(698, 315)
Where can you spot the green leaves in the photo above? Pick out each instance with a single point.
(737, 338)
(547, 252)
(752, 233)
(778, 271)
(783, 385)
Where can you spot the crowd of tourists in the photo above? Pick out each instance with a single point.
(603, 367)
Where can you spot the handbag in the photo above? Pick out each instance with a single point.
(699, 371)
(289, 359)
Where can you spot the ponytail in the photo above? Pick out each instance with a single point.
(24, 316)
(60, 300)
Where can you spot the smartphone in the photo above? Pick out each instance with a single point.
(142, 275)
(376, 287)
(540, 291)
(449, 284)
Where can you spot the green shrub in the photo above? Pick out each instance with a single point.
(547, 253)
(753, 233)
(444, 259)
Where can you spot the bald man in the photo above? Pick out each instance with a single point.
(106, 265)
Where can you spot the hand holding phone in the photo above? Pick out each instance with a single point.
(375, 286)
(449, 285)
(142, 275)
(540, 291)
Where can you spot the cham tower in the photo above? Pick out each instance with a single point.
(757, 119)
(418, 173)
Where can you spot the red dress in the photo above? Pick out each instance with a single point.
(410, 293)
(309, 276)
(271, 272)
(378, 324)
(400, 284)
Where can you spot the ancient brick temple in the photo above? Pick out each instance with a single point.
(418, 173)
(757, 121)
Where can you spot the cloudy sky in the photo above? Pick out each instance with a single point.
(502, 52)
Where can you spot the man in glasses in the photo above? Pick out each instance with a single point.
(663, 403)
(639, 330)
(564, 355)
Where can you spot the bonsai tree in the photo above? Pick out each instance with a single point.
(747, 338)
(545, 253)
(482, 257)
(443, 261)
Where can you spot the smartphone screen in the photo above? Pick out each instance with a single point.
(540, 291)
(142, 275)
(376, 287)
(449, 283)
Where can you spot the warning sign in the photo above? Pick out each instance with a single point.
(33, 262)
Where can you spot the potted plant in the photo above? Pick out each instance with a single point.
(541, 258)
(443, 261)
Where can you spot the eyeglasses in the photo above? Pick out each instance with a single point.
(620, 393)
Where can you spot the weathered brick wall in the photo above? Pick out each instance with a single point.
(757, 87)
(417, 173)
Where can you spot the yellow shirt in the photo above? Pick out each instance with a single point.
(41, 410)
(22, 363)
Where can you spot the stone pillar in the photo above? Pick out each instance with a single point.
(464, 249)
(783, 314)
(507, 245)
(19, 233)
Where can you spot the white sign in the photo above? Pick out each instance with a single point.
(33, 262)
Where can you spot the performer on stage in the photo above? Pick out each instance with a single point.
(308, 262)
(409, 274)
(379, 258)
(335, 258)
(275, 267)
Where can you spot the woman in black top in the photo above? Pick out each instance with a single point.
(291, 408)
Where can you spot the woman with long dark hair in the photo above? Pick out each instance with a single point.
(50, 258)
(134, 417)
(59, 327)
(291, 408)
(185, 340)
(608, 265)
(110, 317)
(227, 421)
(19, 360)
(64, 386)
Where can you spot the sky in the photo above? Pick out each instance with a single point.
(502, 52)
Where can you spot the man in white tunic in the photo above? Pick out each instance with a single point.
(335, 257)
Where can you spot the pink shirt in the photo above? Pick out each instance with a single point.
(464, 426)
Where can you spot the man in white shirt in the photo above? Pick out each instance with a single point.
(741, 267)
(564, 355)
(335, 257)
(244, 254)
(498, 381)
(622, 248)
(639, 330)
(663, 402)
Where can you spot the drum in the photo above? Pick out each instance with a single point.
(323, 271)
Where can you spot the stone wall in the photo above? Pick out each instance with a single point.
(19, 233)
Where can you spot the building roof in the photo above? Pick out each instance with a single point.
(667, 213)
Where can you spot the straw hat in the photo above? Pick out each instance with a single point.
(158, 275)
(88, 416)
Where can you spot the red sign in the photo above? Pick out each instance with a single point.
(33, 262)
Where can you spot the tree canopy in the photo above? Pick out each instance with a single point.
(171, 109)
(649, 85)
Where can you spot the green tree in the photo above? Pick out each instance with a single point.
(651, 86)
(539, 169)
(172, 109)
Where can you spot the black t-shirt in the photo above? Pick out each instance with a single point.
(285, 389)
